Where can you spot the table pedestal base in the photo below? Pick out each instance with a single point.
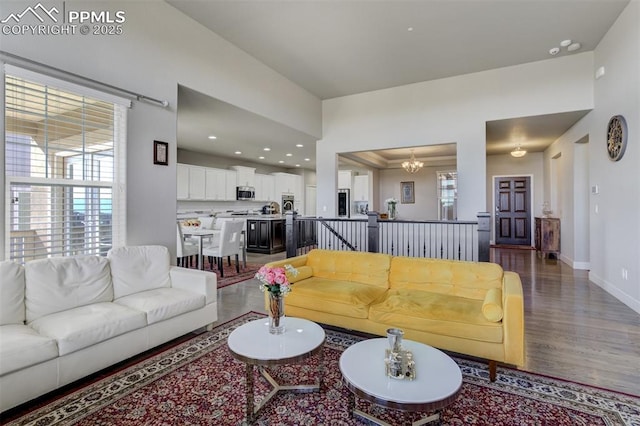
(432, 418)
(252, 412)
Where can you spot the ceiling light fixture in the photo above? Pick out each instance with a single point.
(280, 161)
(289, 155)
(565, 43)
(299, 145)
(261, 157)
(267, 149)
(238, 152)
(412, 165)
(574, 46)
(212, 137)
(307, 159)
(518, 152)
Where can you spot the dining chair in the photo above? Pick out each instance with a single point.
(184, 250)
(227, 245)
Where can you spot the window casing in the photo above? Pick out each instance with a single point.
(64, 167)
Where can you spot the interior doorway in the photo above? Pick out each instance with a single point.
(512, 214)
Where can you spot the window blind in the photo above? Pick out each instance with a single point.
(65, 167)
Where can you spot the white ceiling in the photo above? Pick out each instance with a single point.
(337, 48)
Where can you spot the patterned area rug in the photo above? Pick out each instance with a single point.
(230, 275)
(199, 383)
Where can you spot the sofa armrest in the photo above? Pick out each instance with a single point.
(195, 281)
(513, 320)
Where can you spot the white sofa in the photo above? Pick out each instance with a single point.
(64, 318)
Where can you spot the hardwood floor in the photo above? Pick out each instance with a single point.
(574, 330)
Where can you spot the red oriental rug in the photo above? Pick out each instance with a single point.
(230, 274)
(198, 382)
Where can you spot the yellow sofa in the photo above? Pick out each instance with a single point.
(472, 308)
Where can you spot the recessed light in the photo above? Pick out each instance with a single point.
(281, 161)
(307, 159)
(213, 137)
(289, 155)
(297, 165)
(267, 149)
(574, 46)
(238, 152)
(410, 29)
(554, 51)
(565, 43)
(299, 145)
(261, 157)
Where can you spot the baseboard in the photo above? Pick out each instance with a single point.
(575, 265)
(615, 292)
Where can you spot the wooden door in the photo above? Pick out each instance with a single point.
(513, 211)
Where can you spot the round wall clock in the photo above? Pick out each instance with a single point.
(616, 137)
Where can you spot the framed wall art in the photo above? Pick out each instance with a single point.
(407, 193)
(161, 153)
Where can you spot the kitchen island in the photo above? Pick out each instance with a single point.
(266, 234)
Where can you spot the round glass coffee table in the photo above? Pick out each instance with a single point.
(252, 344)
(437, 383)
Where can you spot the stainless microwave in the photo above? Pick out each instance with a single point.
(245, 193)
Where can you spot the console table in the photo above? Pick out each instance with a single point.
(547, 235)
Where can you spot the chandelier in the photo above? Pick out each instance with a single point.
(518, 152)
(412, 165)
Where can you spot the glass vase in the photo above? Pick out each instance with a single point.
(276, 313)
(391, 211)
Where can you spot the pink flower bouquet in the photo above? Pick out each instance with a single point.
(275, 280)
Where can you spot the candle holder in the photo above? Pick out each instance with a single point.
(399, 363)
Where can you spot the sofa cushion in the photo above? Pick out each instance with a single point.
(61, 283)
(84, 326)
(492, 305)
(139, 268)
(12, 310)
(348, 298)
(454, 277)
(163, 303)
(303, 272)
(21, 347)
(360, 267)
(436, 313)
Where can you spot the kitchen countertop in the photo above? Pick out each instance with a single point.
(252, 216)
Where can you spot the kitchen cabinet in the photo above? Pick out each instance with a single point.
(205, 183)
(265, 236)
(183, 182)
(190, 182)
(230, 184)
(547, 235)
(265, 188)
(345, 179)
(215, 184)
(361, 188)
(287, 183)
(245, 176)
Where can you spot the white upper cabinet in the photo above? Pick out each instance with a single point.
(230, 184)
(287, 183)
(205, 183)
(183, 182)
(361, 188)
(265, 187)
(344, 179)
(216, 184)
(245, 176)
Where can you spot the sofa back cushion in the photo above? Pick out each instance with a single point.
(12, 310)
(452, 277)
(139, 268)
(60, 283)
(360, 267)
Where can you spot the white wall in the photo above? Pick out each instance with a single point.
(446, 111)
(425, 189)
(161, 48)
(615, 230)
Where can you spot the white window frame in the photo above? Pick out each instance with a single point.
(118, 183)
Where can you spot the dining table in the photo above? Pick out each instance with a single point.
(200, 234)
